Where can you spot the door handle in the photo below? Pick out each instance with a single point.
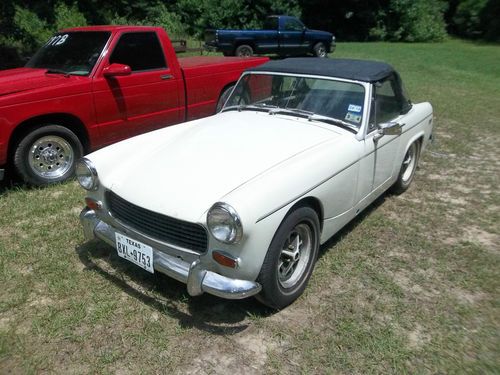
(167, 76)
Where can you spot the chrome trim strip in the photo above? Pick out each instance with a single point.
(197, 278)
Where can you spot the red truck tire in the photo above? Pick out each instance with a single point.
(223, 97)
(47, 155)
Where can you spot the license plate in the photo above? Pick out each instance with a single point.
(135, 252)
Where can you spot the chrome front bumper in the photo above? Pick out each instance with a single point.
(198, 279)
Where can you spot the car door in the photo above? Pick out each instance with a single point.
(267, 38)
(291, 36)
(144, 100)
(379, 161)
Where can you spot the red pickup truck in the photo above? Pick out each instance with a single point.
(91, 86)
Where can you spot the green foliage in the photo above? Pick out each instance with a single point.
(478, 18)
(34, 31)
(411, 21)
(25, 25)
(68, 16)
(200, 15)
(157, 15)
(170, 21)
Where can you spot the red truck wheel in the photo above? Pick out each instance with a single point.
(223, 97)
(47, 155)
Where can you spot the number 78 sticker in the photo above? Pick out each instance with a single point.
(57, 40)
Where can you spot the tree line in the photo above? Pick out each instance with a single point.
(25, 24)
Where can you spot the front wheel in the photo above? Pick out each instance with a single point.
(408, 167)
(47, 155)
(319, 49)
(290, 259)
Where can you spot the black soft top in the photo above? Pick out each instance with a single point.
(359, 70)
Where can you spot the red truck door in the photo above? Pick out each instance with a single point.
(147, 98)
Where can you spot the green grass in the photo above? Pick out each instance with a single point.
(411, 287)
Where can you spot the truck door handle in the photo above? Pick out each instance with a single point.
(167, 76)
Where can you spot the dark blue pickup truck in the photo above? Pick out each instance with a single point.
(282, 35)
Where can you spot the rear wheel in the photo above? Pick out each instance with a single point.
(244, 51)
(408, 167)
(290, 259)
(223, 97)
(47, 155)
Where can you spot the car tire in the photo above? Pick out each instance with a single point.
(47, 155)
(290, 259)
(319, 50)
(244, 51)
(223, 97)
(408, 168)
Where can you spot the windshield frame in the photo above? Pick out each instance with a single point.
(96, 63)
(366, 101)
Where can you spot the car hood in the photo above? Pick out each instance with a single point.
(183, 170)
(320, 32)
(24, 79)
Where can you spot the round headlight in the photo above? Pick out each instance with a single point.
(224, 223)
(86, 174)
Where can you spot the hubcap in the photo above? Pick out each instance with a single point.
(409, 163)
(295, 255)
(51, 156)
(245, 52)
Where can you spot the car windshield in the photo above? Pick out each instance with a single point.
(70, 53)
(336, 102)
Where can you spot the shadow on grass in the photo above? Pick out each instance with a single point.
(206, 312)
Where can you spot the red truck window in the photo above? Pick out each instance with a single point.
(71, 52)
(141, 51)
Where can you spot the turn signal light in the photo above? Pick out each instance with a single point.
(224, 259)
(93, 204)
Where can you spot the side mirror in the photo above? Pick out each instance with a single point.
(115, 70)
(388, 128)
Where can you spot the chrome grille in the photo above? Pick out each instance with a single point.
(163, 228)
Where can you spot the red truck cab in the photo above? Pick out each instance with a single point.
(91, 86)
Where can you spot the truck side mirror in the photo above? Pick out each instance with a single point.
(115, 70)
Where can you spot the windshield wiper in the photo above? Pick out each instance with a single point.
(334, 121)
(291, 111)
(57, 71)
(249, 107)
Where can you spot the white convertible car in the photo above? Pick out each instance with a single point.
(237, 204)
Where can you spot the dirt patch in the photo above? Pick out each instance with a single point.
(490, 241)
(243, 353)
(417, 338)
(403, 280)
(467, 297)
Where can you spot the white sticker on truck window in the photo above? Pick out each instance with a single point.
(354, 117)
(354, 108)
(57, 40)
